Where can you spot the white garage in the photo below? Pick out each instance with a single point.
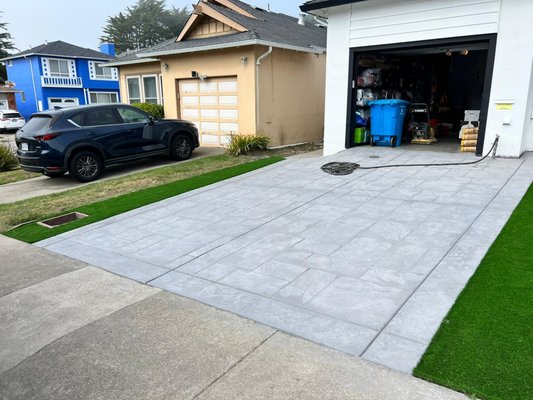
(381, 29)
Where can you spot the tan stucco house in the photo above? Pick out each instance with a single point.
(235, 68)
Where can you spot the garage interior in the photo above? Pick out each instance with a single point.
(448, 78)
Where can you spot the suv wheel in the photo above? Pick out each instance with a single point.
(85, 166)
(181, 147)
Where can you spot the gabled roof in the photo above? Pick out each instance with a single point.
(257, 27)
(61, 49)
(136, 56)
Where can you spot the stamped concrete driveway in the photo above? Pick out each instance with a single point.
(368, 263)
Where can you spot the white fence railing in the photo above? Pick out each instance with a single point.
(58, 81)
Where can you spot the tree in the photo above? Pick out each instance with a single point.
(143, 25)
(5, 45)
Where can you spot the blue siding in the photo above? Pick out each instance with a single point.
(20, 73)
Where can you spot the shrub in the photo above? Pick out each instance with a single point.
(155, 110)
(242, 144)
(8, 161)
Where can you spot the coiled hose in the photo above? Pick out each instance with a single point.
(346, 168)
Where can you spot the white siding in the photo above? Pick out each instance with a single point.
(511, 81)
(380, 22)
(337, 73)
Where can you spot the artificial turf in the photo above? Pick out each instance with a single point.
(32, 232)
(484, 346)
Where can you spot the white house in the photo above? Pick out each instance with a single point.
(485, 45)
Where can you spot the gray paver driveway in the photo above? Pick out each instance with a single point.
(368, 263)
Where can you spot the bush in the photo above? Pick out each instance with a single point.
(242, 144)
(8, 161)
(155, 110)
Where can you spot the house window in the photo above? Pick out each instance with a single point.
(134, 89)
(102, 73)
(144, 89)
(150, 89)
(103, 97)
(59, 68)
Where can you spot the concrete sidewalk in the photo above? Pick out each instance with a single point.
(72, 331)
(44, 185)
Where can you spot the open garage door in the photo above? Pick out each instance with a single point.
(212, 105)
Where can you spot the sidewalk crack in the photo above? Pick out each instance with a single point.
(231, 367)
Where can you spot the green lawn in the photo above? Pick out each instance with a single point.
(15, 176)
(484, 347)
(97, 211)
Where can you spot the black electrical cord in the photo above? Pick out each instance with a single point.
(346, 168)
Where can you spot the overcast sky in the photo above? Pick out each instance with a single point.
(80, 22)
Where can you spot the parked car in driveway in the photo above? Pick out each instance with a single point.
(83, 140)
(11, 120)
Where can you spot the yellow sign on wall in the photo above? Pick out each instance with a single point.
(504, 106)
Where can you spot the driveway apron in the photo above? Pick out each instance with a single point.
(368, 263)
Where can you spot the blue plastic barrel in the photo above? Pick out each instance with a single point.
(386, 121)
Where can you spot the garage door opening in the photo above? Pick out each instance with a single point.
(447, 85)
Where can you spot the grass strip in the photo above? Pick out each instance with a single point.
(32, 232)
(16, 175)
(484, 346)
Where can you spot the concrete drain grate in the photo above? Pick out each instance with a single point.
(62, 219)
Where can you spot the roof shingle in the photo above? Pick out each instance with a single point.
(267, 26)
(62, 49)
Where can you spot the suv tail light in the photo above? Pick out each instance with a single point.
(46, 136)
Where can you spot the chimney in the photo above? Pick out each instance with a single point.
(108, 48)
(301, 19)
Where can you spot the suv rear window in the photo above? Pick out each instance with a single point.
(36, 125)
(11, 115)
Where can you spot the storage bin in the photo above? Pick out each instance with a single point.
(386, 122)
(360, 135)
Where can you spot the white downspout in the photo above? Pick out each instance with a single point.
(257, 64)
(33, 83)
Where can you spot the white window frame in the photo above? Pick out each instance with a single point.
(113, 72)
(140, 78)
(71, 66)
(63, 99)
(154, 76)
(160, 80)
(139, 81)
(106, 93)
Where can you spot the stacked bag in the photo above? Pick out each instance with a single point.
(469, 139)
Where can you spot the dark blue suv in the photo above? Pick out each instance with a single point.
(83, 140)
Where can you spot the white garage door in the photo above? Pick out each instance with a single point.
(212, 105)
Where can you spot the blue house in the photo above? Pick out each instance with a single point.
(61, 74)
